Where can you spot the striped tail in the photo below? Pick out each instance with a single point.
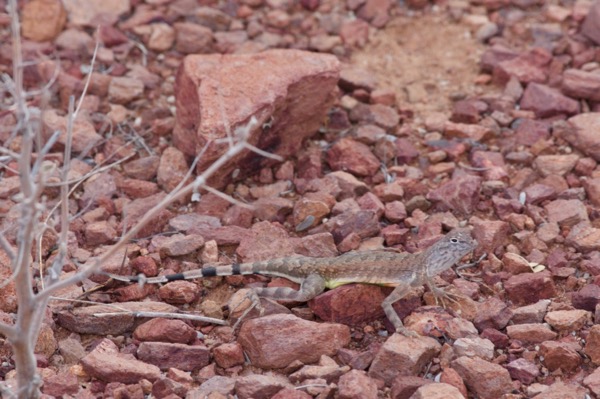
(208, 271)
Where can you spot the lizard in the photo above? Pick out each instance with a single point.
(403, 270)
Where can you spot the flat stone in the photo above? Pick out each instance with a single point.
(484, 379)
(546, 101)
(581, 84)
(174, 355)
(105, 363)
(271, 341)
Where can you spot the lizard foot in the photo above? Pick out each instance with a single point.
(406, 332)
(441, 295)
(254, 304)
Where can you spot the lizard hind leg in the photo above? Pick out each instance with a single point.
(312, 286)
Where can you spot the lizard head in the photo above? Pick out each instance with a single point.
(449, 250)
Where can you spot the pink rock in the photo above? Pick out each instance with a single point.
(142, 168)
(99, 233)
(105, 363)
(404, 386)
(193, 39)
(468, 111)
(560, 355)
(135, 188)
(531, 333)
(228, 355)
(136, 209)
(167, 388)
(179, 292)
(527, 68)
(168, 355)
(260, 386)
(96, 12)
(460, 194)
(566, 212)
(591, 24)
(351, 304)
(265, 241)
(122, 90)
(492, 313)
(355, 33)
(523, 370)
(42, 20)
(356, 384)
(483, 378)
(269, 341)
(401, 355)
(583, 133)
(179, 245)
(529, 132)
(272, 86)
(165, 330)
(352, 156)
(354, 78)
(495, 55)
(529, 288)
(84, 133)
(581, 84)
(546, 101)
(376, 12)
(61, 384)
(587, 298)
(172, 168)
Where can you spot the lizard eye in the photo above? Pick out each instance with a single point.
(454, 240)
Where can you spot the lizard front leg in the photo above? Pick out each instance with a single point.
(399, 292)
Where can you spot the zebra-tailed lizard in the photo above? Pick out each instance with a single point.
(381, 267)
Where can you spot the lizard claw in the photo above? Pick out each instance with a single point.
(441, 295)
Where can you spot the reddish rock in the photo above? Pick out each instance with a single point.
(494, 55)
(492, 162)
(581, 84)
(406, 152)
(560, 355)
(591, 25)
(290, 393)
(492, 313)
(134, 188)
(166, 355)
(165, 330)
(523, 370)
(587, 298)
(568, 320)
(42, 20)
(123, 90)
(582, 133)
(404, 386)
(362, 223)
(566, 212)
(84, 133)
(275, 80)
(354, 78)
(96, 12)
(271, 341)
(319, 245)
(61, 384)
(530, 131)
(172, 168)
(376, 12)
(440, 390)
(402, 355)
(555, 164)
(105, 363)
(592, 346)
(592, 381)
(99, 233)
(546, 101)
(592, 189)
(352, 156)
(351, 304)
(529, 288)
(527, 68)
(484, 379)
(355, 385)
(460, 194)
(137, 209)
(167, 388)
(179, 292)
(142, 168)
(260, 386)
(355, 33)
(584, 237)
(395, 211)
(228, 355)
(530, 333)
(178, 245)
(468, 111)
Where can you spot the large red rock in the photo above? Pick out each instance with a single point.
(288, 92)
